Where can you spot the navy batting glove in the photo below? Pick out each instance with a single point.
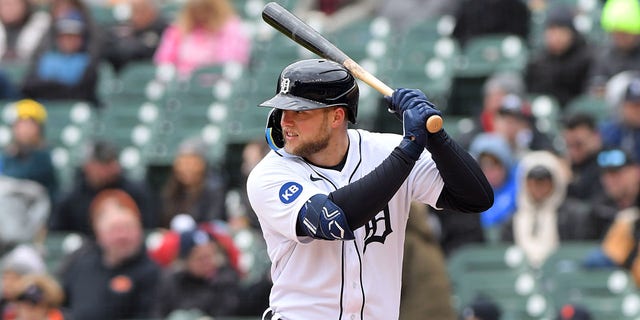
(403, 99)
(415, 131)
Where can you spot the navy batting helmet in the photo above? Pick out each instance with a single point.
(307, 85)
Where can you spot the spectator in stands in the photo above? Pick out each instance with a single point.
(495, 88)
(206, 32)
(111, 278)
(22, 28)
(424, 271)
(62, 8)
(25, 210)
(484, 17)
(621, 20)
(620, 176)
(561, 66)
(544, 217)
(583, 142)
(621, 242)
(20, 262)
(516, 123)
(624, 130)
(39, 298)
(137, 38)
(28, 156)
(498, 164)
(100, 170)
(67, 70)
(194, 186)
(205, 280)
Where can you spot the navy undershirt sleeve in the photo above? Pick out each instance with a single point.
(363, 199)
(466, 188)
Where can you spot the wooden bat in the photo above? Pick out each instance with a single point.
(291, 26)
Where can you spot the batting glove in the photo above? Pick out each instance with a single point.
(414, 130)
(405, 99)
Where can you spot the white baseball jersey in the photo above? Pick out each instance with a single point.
(326, 280)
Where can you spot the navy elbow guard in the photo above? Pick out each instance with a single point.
(320, 218)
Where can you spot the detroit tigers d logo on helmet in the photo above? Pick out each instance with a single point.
(307, 85)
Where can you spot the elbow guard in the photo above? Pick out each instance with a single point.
(320, 218)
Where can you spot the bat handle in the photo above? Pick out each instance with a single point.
(434, 123)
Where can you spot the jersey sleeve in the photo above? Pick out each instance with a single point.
(277, 190)
(425, 182)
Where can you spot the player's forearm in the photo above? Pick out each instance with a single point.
(363, 199)
(466, 188)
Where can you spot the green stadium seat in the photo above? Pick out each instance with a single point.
(429, 66)
(605, 292)
(57, 245)
(485, 55)
(500, 272)
(103, 15)
(15, 71)
(589, 104)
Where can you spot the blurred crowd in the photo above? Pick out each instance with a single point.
(192, 243)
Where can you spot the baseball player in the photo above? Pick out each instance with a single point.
(333, 202)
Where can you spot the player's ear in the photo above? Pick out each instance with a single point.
(339, 115)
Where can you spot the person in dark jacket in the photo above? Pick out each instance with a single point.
(583, 142)
(28, 156)
(111, 278)
(100, 170)
(194, 187)
(481, 17)
(203, 279)
(561, 66)
(138, 37)
(67, 70)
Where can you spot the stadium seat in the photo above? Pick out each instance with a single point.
(590, 104)
(608, 293)
(487, 54)
(57, 245)
(500, 272)
(428, 66)
(15, 71)
(103, 15)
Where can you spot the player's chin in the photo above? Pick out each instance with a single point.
(290, 148)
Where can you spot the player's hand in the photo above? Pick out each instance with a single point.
(413, 124)
(404, 99)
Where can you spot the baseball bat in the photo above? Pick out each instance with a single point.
(291, 26)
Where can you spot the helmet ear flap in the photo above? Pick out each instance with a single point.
(273, 131)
